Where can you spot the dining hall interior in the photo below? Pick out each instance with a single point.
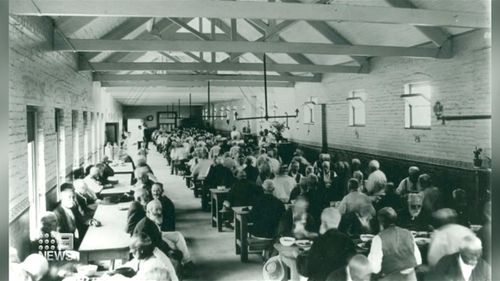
(321, 140)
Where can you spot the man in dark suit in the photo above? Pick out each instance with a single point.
(137, 209)
(173, 243)
(358, 269)
(466, 265)
(243, 192)
(266, 213)
(250, 169)
(168, 207)
(69, 218)
(330, 251)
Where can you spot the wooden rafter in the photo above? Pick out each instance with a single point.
(250, 10)
(199, 77)
(257, 84)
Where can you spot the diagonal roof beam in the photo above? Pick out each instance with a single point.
(250, 9)
(437, 35)
(186, 26)
(120, 32)
(70, 25)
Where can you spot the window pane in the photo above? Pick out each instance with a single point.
(421, 116)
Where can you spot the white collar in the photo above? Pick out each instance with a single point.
(348, 274)
(466, 269)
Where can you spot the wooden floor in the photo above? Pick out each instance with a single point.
(212, 252)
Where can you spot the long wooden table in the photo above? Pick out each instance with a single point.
(217, 197)
(123, 168)
(123, 186)
(109, 241)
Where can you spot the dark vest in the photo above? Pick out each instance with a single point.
(397, 248)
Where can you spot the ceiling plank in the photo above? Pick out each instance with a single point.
(198, 77)
(121, 32)
(437, 35)
(203, 84)
(91, 45)
(145, 66)
(250, 9)
(70, 25)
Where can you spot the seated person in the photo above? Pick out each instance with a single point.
(410, 184)
(167, 242)
(389, 199)
(243, 192)
(69, 218)
(297, 222)
(393, 252)
(92, 180)
(447, 235)
(283, 184)
(33, 268)
(315, 195)
(142, 162)
(360, 221)
(137, 209)
(413, 218)
(294, 171)
(432, 195)
(102, 178)
(250, 169)
(142, 179)
(168, 207)
(108, 171)
(460, 206)
(146, 256)
(266, 213)
(88, 197)
(219, 175)
(358, 269)
(330, 251)
(467, 264)
(201, 168)
(354, 199)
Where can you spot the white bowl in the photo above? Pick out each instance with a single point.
(366, 237)
(287, 241)
(87, 270)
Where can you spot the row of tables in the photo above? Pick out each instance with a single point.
(110, 241)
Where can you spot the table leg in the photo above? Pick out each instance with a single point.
(236, 234)
(244, 239)
(218, 214)
(214, 212)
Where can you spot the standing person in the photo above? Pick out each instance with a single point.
(330, 251)
(375, 184)
(266, 213)
(354, 199)
(235, 134)
(466, 265)
(390, 260)
(409, 184)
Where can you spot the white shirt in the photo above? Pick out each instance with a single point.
(465, 268)
(93, 185)
(348, 274)
(446, 241)
(376, 255)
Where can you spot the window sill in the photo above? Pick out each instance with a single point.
(357, 125)
(417, 128)
(309, 123)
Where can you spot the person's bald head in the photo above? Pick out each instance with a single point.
(444, 216)
(142, 196)
(141, 173)
(359, 268)
(387, 217)
(48, 222)
(415, 201)
(36, 265)
(79, 185)
(471, 249)
(268, 186)
(373, 165)
(330, 219)
(94, 171)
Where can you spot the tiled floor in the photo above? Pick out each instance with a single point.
(212, 252)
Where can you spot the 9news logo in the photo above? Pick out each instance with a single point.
(54, 249)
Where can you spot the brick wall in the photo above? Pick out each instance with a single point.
(47, 80)
(461, 84)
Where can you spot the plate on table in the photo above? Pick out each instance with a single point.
(366, 237)
(304, 244)
(422, 240)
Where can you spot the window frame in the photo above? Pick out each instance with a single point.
(359, 95)
(409, 106)
(36, 194)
